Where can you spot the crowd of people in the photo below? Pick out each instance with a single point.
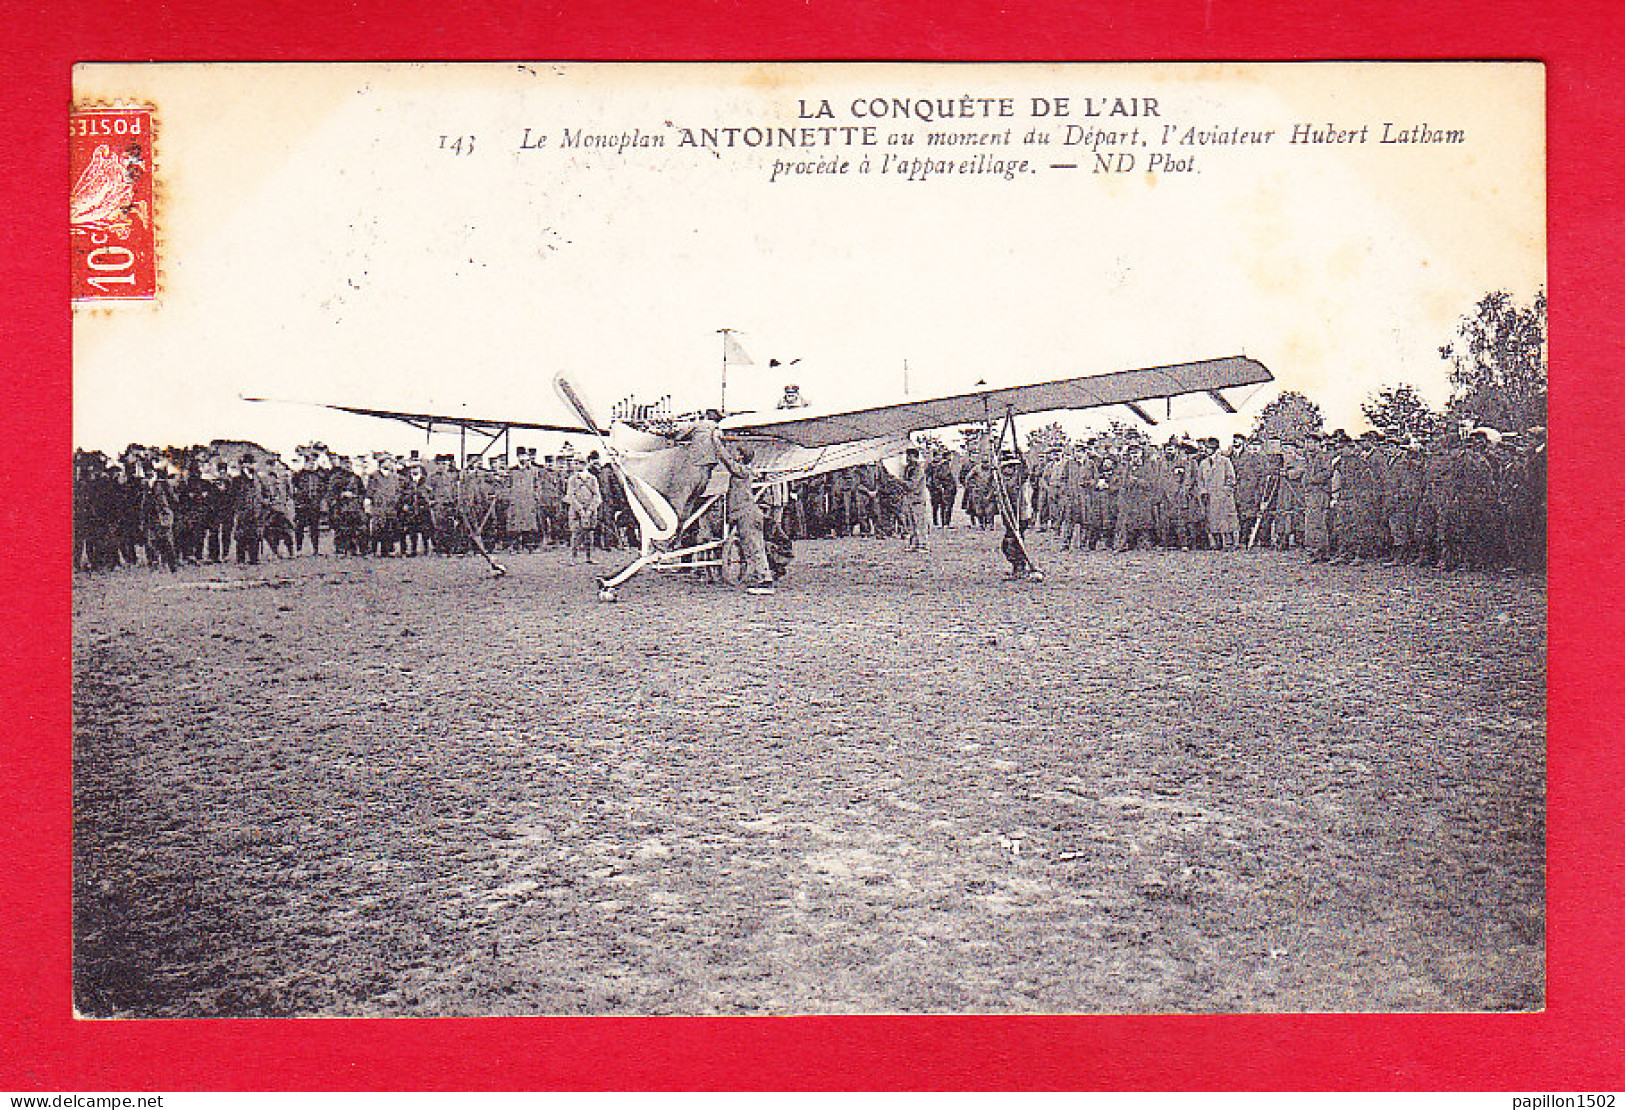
(1461, 500)
(212, 504)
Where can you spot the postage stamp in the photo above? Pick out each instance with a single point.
(434, 657)
(110, 208)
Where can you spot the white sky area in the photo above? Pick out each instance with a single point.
(316, 244)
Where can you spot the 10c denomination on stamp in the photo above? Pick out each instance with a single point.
(113, 251)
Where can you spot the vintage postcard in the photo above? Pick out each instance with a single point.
(583, 539)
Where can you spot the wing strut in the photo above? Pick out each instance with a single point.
(505, 435)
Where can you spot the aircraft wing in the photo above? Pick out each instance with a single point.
(429, 421)
(808, 428)
(781, 461)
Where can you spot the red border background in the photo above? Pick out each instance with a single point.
(1575, 1045)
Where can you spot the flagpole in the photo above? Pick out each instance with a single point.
(722, 401)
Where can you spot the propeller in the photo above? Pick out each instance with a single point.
(656, 517)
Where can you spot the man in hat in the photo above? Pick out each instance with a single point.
(1345, 519)
(278, 486)
(585, 497)
(1189, 512)
(158, 516)
(746, 516)
(497, 485)
(842, 500)
(1166, 466)
(1428, 536)
(1317, 498)
(346, 500)
(1014, 512)
(1101, 513)
(416, 515)
(1136, 491)
(248, 510)
(523, 516)
(1401, 498)
(1216, 476)
(309, 491)
(866, 500)
(1470, 508)
(1077, 475)
(384, 505)
(1361, 487)
(613, 511)
(88, 469)
(704, 441)
(1046, 491)
(1340, 446)
(1289, 498)
(191, 510)
(943, 487)
(792, 398)
(970, 478)
(550, 513)
(124, 509)
(1380, 453)
(218, 526)
(1249, 468)
(440, 487)
(914, 503)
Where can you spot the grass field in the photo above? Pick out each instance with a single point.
(1181, 782)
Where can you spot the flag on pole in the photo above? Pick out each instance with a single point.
(732, 352)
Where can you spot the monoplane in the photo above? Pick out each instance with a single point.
(668, 489)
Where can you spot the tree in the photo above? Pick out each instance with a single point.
(1291, 416)
(1398, 411)
(1047, 441)
(1498, 363)
(1122, 434)
(973, 440)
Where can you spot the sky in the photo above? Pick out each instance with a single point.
(320, 241)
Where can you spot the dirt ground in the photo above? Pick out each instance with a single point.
(1181, 782)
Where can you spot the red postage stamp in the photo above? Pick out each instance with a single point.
(110, 210)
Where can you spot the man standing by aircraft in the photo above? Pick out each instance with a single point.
(746, 516)
(915, 506)
(944, 487)
(704, 441)
(585, 497)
